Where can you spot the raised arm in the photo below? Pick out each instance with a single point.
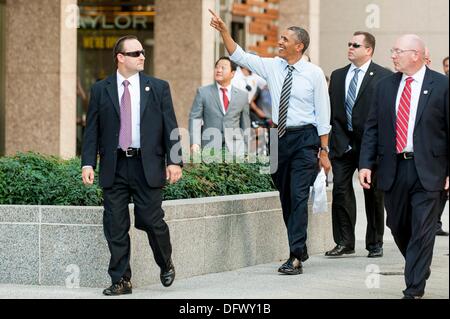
(218, 24)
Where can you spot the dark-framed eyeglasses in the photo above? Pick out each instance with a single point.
(354, 45)
(134, 54)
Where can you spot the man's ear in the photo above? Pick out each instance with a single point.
(300, 47)
(120, 58)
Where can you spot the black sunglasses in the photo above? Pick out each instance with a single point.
(354, 45)
(134, 54)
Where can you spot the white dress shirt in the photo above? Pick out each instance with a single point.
(351, 73)
(416, 88)
(135, 92)
(228, 93)
(309, 102)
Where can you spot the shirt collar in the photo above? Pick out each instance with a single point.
(418, 77)
(363, 68)
(134, 80)
(226, 87)
(297, 66)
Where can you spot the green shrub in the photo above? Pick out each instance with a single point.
(34, 179)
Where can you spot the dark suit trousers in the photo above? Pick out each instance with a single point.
(412, 214)
(444, 199)
(297, 171)
(344, 205)
(130, 183)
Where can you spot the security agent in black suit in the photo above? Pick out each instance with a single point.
(413, 166)
(351, 95)
(129, 124)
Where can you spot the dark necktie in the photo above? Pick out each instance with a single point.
(284, 102)
(351, 99)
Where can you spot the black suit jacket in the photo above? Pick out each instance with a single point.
(431, 132)
(340, 136)
(157, 123)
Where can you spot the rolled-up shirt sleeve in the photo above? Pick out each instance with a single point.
(252, 62)
(322, 104)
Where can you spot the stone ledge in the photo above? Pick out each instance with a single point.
(48, 245)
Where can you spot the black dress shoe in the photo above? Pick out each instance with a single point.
(123, 287)
(305, 256)
(441, 232)
(427, 276)
(292, 266)
(339, 250)
(376, 253)
(168, 275)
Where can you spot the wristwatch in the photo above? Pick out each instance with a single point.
(326, 149)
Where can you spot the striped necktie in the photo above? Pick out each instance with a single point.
(351, 98)
(403, 116)
(284, 102)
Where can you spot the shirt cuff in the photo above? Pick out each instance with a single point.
(88, 166)
(323, 130)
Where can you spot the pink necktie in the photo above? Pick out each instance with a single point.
(125, 134)
(403, 116)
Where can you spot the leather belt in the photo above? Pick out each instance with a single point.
(296, 128)
(131, 152)
(405, 156)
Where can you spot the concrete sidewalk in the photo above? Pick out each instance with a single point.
(343, 278)
(349, 277)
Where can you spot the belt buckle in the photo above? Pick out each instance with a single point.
(128, 154)
(406, 157)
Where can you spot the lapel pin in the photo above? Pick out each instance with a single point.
(371, 73)
(425, 92)
(147, 89)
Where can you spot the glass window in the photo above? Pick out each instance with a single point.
(102, 22)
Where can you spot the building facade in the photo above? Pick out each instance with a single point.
(52, 51)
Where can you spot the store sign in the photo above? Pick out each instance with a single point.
(99, 42)
(120, 22)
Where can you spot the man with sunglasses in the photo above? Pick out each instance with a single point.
(129, 124)
(351, 92)
(407, 130)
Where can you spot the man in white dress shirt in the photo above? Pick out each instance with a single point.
(301, 113)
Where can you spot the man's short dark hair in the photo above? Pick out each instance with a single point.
(369, 39)
(445, 59)
(233, 65)
(302, 37)
(118, 47)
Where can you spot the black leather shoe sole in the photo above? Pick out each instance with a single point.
(333, 254)
(291, 271)
(375, 254)
(441, 232)
(110, 293)
(411, 297)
